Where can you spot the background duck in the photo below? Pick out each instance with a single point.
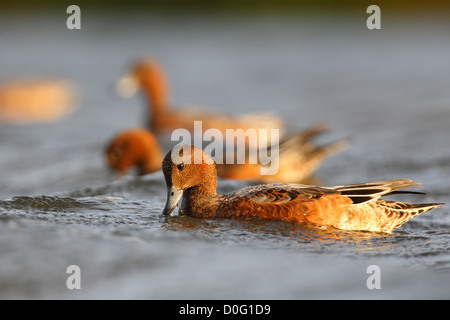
(298, 156)
(134, 148)
(148, 76)
(35, 100)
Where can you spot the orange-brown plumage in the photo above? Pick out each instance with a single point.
(149, 76)
(135, 147)
(298, 159)
(36, 101)
(298, 156)
(351, 207)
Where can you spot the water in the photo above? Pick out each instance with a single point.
(386, 90)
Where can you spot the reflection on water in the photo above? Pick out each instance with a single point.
(287, 236)
(264, 229)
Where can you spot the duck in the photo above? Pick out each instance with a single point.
(138, 148)
(148, 75)
(134, 148)
(35, 100)
(190, 174)
(298, 160)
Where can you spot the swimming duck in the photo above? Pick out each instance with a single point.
(298, 159)
(298, 156)
(191, 174)
(35, 100)
(148, 75)
(134, 148)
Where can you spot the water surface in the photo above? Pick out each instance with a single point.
(387, 91)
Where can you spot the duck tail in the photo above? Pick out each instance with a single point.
(397, 213)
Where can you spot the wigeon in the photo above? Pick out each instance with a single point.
(298, 156)
(149, 76)
(134, 148)
(192, 175)
(35, 100)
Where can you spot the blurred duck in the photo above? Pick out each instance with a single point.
(347, 207)
(135, 148)
(298, 157)
(149, 76)
(35, 101)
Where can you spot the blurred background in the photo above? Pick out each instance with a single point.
(386, 90)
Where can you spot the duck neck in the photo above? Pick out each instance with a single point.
(157, 91)
(197, 199)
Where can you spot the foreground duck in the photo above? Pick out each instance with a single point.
(193, 176)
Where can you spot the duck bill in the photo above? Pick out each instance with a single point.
(127, 87)
(173, 197)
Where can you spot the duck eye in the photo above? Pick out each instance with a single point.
(180, 166)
